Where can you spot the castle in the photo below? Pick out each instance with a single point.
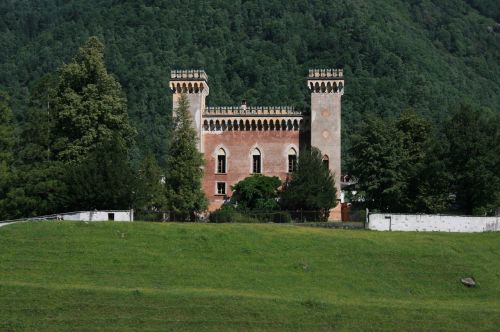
(238, 141)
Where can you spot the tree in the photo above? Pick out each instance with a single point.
(150, 191)
(257, 192)
(184, 165)
(89, 106)
(473, 159)
(433, 181)
(7, 142)
(103, 179)
(312, 186)
(38, 187)
(37, 130)
(427, 186)
(91, 133)
(377, 160)
(398, 165)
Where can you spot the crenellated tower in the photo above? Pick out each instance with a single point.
(194, 84)
(327, 87)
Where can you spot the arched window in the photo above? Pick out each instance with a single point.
(256, 162)
(221, 161)
(326, 161)
(292, 160)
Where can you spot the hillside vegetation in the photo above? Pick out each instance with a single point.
(143, 276)
(427, 55)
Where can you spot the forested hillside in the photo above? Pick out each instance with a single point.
(427, 55)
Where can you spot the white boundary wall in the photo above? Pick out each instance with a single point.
(121, 215)
(431, 223)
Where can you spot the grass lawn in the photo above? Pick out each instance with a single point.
(153, 276)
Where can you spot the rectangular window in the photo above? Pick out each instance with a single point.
(221, 188)
(111, 216)
(221, 164)
(256, 164)
(326, 163)
(292, 163)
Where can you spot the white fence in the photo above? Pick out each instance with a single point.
(431, 223)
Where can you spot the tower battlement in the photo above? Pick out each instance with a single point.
(326, 81)
(188, 75)
(326, 73)
(190, 81)
(251, 111)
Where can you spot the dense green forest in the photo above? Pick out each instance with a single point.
(424, 54)
(85, 121)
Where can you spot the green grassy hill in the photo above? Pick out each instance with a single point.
(143, 276)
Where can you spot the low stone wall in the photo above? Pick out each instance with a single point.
(432, 223)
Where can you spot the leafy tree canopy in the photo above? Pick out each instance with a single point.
(257, 192)
(473, 159)
(89, 106)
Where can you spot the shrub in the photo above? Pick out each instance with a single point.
(224, 214)
(227, 213)
(257, 192)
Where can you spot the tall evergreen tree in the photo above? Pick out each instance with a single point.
(312, 186)
(92, 133)
(89, 106)
(150, 192)
(39, 186)
(37, 130)
(7, 142)
(184, 165)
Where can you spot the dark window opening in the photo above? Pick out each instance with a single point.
(111, 216)
(292, 163)
(326, 163)
(221, 164)
(221, 188)
(256, 164)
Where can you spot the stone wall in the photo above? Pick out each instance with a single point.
(431, 223)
